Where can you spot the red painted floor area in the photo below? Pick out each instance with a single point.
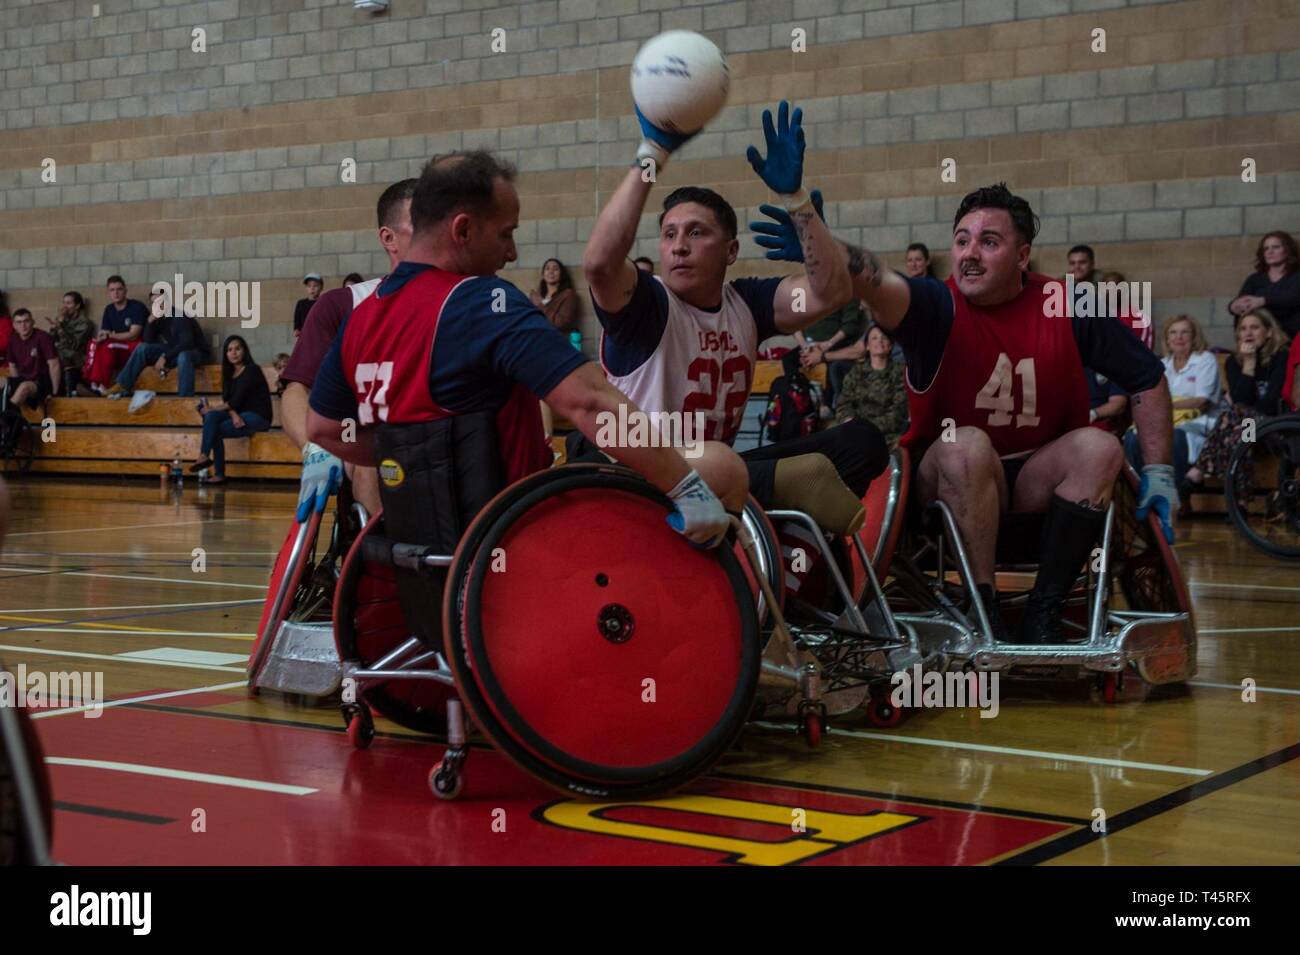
(374, 807)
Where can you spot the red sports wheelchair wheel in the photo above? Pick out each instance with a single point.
(593, 644)
(16, 847)
(296, 554)
(368, 624)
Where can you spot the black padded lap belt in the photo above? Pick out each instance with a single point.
(434, 477)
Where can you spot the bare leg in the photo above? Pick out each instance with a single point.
(1079, 467)
(966, 474)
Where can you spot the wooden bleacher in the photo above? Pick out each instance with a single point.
(101, 436)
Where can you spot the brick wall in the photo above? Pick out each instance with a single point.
(225, 164)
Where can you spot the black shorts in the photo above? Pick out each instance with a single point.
(856, 448)
(1011, 468)
(44, 387)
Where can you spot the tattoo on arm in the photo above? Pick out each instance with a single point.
(865, 263)
(810, 261)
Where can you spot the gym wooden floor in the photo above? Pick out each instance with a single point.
(184, 768)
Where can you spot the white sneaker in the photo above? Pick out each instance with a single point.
(139, 401)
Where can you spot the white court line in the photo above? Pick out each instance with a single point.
(183, 655)
(1248, 630)
(1238, 687)
(45, 714)
(118, 659)
(1199, 583)
(1037, 754)
(126, 527)
(202, 603)
(88, 631)
(168, 773)
(159, 580)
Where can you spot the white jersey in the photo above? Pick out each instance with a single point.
(363, 290)
(704, 362)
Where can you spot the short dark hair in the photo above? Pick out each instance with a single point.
(114, 278)
(920, 247)
(21, 311)
(709, 199)
(1085, 249)
(646, 259)
(1000, 197)
(457, 182)
(353, 277)
(391, 199)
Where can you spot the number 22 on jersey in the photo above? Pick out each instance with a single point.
(998, 396)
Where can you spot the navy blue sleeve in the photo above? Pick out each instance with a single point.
(923, 331)
(331, 395)
(760, 296)
(1110, 347)
(489, 337)
(137, 313)
(632, 334)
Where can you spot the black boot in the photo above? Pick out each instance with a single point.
(1069, 534)
(990, 598)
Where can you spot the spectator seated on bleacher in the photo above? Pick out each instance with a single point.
(1108, 404)
(169, 341)
(6, 327)
(1291, 380)
(1256, 374)
(1193, 375)
(34, 370)
(1275, 283)
(244, 408)
(119, 333)
(72, 330)
(821, 341)
(873, 389)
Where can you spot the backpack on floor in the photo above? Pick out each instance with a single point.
(791, 408)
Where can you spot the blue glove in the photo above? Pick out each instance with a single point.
(321, 475)
(782, 170)
(698, 515)
(1157, 490)
(781, 239)
(659, 144)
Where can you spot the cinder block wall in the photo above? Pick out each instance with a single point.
(225, 164)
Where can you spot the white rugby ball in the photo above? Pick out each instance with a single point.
(680, 81)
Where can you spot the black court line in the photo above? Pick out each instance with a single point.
(114, 813)
(902, 798)
(1149, 810)
(272, 721)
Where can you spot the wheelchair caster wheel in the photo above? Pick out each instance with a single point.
(812, 730)
(446, 783)
(1112, 684)
(361, 727)
(883, 714)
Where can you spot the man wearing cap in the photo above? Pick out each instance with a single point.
(314, 284)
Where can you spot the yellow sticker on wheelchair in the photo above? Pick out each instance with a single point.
(391, 473)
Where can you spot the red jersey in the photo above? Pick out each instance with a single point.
(387, 350)
(1008, 370)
